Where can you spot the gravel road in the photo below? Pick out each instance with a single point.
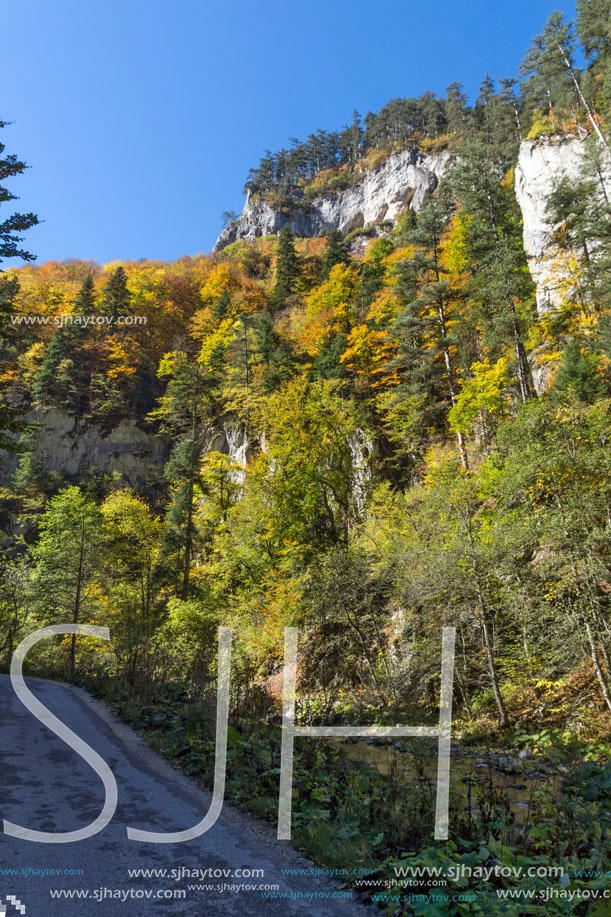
(47, 786)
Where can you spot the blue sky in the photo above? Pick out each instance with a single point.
(141, 118)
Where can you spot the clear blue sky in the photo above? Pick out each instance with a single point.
(141, 118)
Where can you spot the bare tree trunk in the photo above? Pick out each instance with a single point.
(488, 637)
(597, 668)
(582, 98)
(494, 678)
(77, 598)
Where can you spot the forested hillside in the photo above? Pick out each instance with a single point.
(369, 446)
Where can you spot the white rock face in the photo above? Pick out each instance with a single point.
(403, 181)
(230, 439)
(541, 164)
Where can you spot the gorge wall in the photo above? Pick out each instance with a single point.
(541, 164)
(69, 448)
(403, 180)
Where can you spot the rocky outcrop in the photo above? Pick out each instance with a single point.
(541, 164)
(403, 180)
(231, 440)
(69, 449)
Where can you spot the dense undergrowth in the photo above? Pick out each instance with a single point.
(539, 801)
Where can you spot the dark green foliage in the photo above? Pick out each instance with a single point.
(11, 236)
(116, 296)
(272, 350)
(336, 253)
(221, 306)
(582, 210)
(400, 121)
(9, 338)
(577, 373)
(499, 274)
(84, 304)
(286, 268)
(427, 373)
(327, 364)
(593, 17)
(65, 372)
(9, 289)
(12, 228)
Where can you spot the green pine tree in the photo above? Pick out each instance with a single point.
(12, 227)
(287, 268)
(336, 253)
(64, 374)
(116, 297)
(577, 373)
(428, 314)
(500, 287)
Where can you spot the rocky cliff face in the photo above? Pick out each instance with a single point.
(69, 449)
(404, 180)
(541, 164)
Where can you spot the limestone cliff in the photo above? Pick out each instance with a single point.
(69, 449)
(541, 164)
(403, 180)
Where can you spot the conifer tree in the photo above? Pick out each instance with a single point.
(577, 373)
(84, 304)
(510, 98)
(185, 411)
(116, 296)
(594, 26)
(9, 334)
(272, 350)
(581, 207)
(11, 230)
(356, 137)
(425, 320)
(594, 30)
(336, 253)
(286, 268)
(12, 227)
(549, 65)
(498, 275)
(456, 109)
(59, 379)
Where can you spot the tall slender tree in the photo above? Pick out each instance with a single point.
(499, 279)
(286, 268)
